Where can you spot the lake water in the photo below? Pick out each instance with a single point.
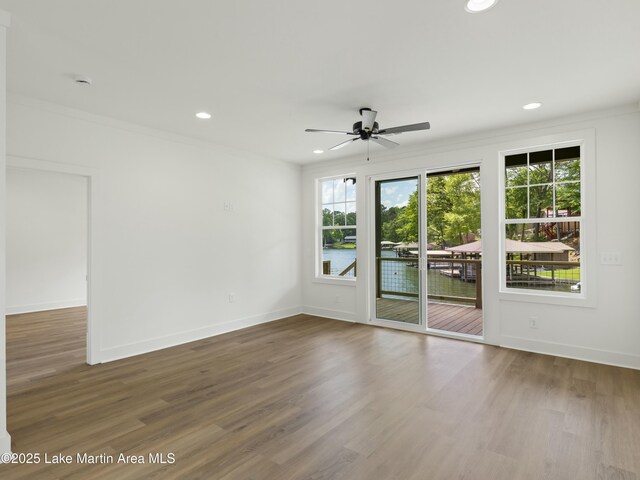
(340, 259)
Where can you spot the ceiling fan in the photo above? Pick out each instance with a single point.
(368, 129)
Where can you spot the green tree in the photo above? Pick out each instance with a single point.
(568, 194)
(406, 223)
(463, 216)
(388, 219)
(438, 204)
(453, 212)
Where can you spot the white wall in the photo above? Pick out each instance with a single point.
(46, 240)
(5, 439)
(607, 332)
(167, 252)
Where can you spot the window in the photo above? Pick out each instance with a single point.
(338, 227)
(543, 216)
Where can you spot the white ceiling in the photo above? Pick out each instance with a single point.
(267, 70)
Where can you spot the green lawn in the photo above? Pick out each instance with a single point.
(570, 273)
(344, 246)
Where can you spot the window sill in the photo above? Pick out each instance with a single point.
(546, 299)
(349, 282)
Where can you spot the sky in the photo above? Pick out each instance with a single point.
(396, 193)
(393, 193)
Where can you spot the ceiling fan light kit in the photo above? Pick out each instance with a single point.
(368, 129)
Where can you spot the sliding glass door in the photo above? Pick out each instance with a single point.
(454, 251)
(426, 265)
(397, 250)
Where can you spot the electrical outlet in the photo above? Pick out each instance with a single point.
(232, 297)
(611, 258)
(533, 322)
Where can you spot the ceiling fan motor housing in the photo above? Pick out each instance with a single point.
(368, 129)
(364, 135)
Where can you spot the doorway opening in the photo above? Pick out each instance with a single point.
(427, 255)
(47, 274)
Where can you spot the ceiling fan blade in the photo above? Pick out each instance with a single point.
(313, 130)
(368, 119)
(405, 128)
(384, 142)
(344, 144)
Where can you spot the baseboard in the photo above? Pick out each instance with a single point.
(158, 343)
(5, 442)
(332, 314)
(575, 352)
(41, 307)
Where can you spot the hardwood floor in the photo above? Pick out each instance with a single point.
(44, 344)
(310, 398)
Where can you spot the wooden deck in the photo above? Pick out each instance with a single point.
(441, 316)
(455, 318)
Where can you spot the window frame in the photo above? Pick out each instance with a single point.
(320, 228)
(585, 140)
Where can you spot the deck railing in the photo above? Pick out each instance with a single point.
(520, 273)
(326, 268)
(349, 268)
(542, 274)
(462, 269)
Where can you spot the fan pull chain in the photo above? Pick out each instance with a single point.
(367, 151)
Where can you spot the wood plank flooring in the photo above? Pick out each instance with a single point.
(455, 318)
(44, 344)
(441, 316)
(310, 398)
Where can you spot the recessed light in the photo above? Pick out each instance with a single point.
(475, 6)
(317, 152)
(532, 106)
(203, 115)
